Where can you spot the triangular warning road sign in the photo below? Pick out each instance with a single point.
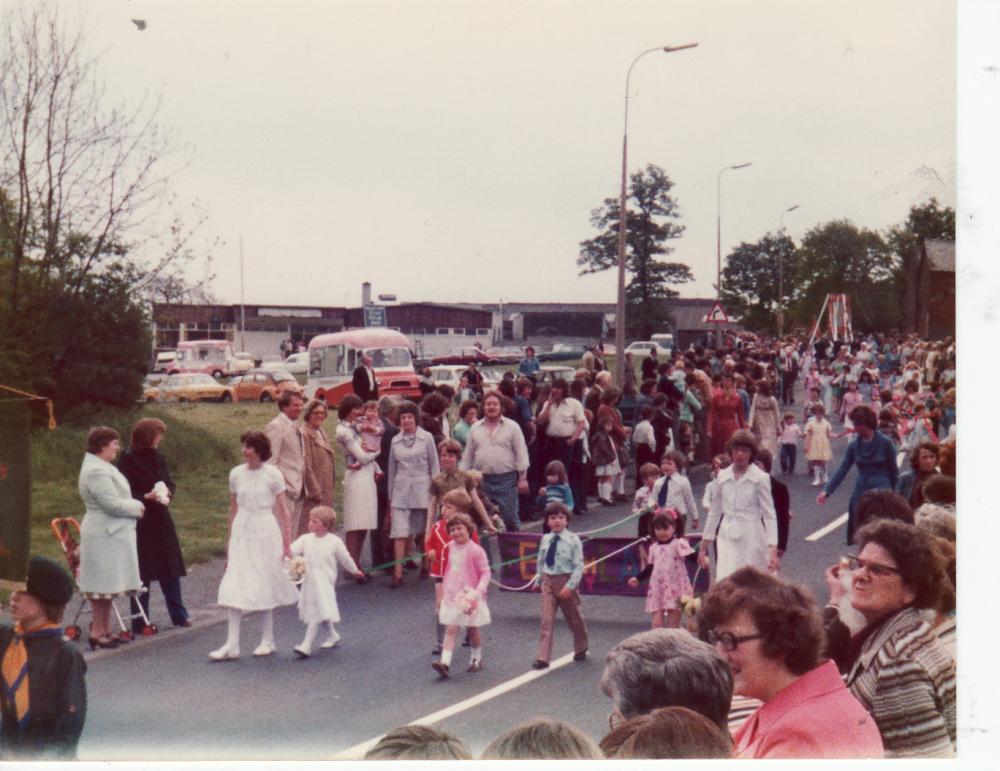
(717, 314)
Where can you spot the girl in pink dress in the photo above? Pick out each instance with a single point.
(666, 570)
(463, 601)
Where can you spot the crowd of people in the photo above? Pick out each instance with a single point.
(427, 484)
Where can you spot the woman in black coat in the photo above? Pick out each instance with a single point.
(159, 550)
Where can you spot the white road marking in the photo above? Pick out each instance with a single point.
(358, 750)
(827, 529)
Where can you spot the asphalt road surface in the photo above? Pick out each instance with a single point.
(162, 698)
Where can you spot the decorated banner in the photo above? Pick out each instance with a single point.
(605, 571)
(15, 489)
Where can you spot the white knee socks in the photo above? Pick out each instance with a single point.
(267, 633)
(233, 636)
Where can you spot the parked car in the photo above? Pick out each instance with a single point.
(452, 374)
(194, 387)
(466, 355)
(241, 362)
(297, 363)
(563, 352)
(550, 372)
(164, 361)
(265, 385)
(507, 354)
(641, 348)
(151, 387)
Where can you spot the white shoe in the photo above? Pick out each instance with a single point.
(815, 482)
(225, 653)
(264, 649)
(331, 641)
(302, 651)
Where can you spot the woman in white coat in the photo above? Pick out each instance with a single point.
(742, 503)
(109, 562)
(360, 493)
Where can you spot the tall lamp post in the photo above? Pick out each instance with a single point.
(718, 226)
(781, 272)
(623, 223)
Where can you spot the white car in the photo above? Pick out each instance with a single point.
(164, 360)
(452, 374)
(296, 363)
(641, 349)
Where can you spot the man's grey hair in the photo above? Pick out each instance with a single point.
(668, 668)
(387, 404)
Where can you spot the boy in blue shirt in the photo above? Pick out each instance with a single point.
(560, 568)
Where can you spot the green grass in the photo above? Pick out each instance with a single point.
(201, 445)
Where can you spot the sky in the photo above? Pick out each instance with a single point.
(453, 151)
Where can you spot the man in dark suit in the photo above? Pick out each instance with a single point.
(363, 381)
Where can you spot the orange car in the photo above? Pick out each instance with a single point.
(265, 385)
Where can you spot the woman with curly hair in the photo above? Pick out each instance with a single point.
(923, 465)
(900, 671)
(771, 634)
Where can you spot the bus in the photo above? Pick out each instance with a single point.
(333, 358)
(213, 357)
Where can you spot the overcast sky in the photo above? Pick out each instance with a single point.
(453, 151)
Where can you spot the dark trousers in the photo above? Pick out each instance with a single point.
(171, 588)
(788, 387)
(788, 452)
(571, 457)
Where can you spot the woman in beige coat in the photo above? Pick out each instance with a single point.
(320, 475)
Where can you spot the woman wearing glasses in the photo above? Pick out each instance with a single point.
(898, 669)
(771, 634)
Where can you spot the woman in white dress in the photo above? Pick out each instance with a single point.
(255, 577)
(742, 503)
(360, 494)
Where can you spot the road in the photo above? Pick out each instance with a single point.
(162, 698)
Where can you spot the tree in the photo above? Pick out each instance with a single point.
(86, 211)
(651, 223)
(840, 257)
(928, 220)
(750, 280)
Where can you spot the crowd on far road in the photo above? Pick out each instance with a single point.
(429, 485)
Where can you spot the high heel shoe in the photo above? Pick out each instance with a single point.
(99, 642)
(225, 653)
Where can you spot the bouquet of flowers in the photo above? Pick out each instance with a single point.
(297, 569)
(468, 600)
(690, 605)
(162, 493)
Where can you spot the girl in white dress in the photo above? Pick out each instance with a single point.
(322, 550)
(255, 577)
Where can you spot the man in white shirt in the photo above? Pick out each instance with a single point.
(564, 422)
(495, 447)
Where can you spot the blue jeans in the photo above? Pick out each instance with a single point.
(502, 490)
(788, 452)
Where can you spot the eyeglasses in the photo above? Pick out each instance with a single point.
(729, 641)
(877, 569)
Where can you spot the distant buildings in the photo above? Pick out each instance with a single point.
(433, 328)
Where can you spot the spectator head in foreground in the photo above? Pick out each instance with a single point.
(543, 739)
(418, 742)
(668, 668)
(667, 732)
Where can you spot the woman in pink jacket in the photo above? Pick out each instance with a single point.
(463, 603)
(771, 633)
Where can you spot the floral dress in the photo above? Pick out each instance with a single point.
(669, 580)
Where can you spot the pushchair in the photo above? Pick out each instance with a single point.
(67, 533)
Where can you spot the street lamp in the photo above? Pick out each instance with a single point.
(623, 223)
(781, 271)
(718, 227)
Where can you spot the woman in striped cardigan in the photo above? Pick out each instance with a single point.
(901, 673)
